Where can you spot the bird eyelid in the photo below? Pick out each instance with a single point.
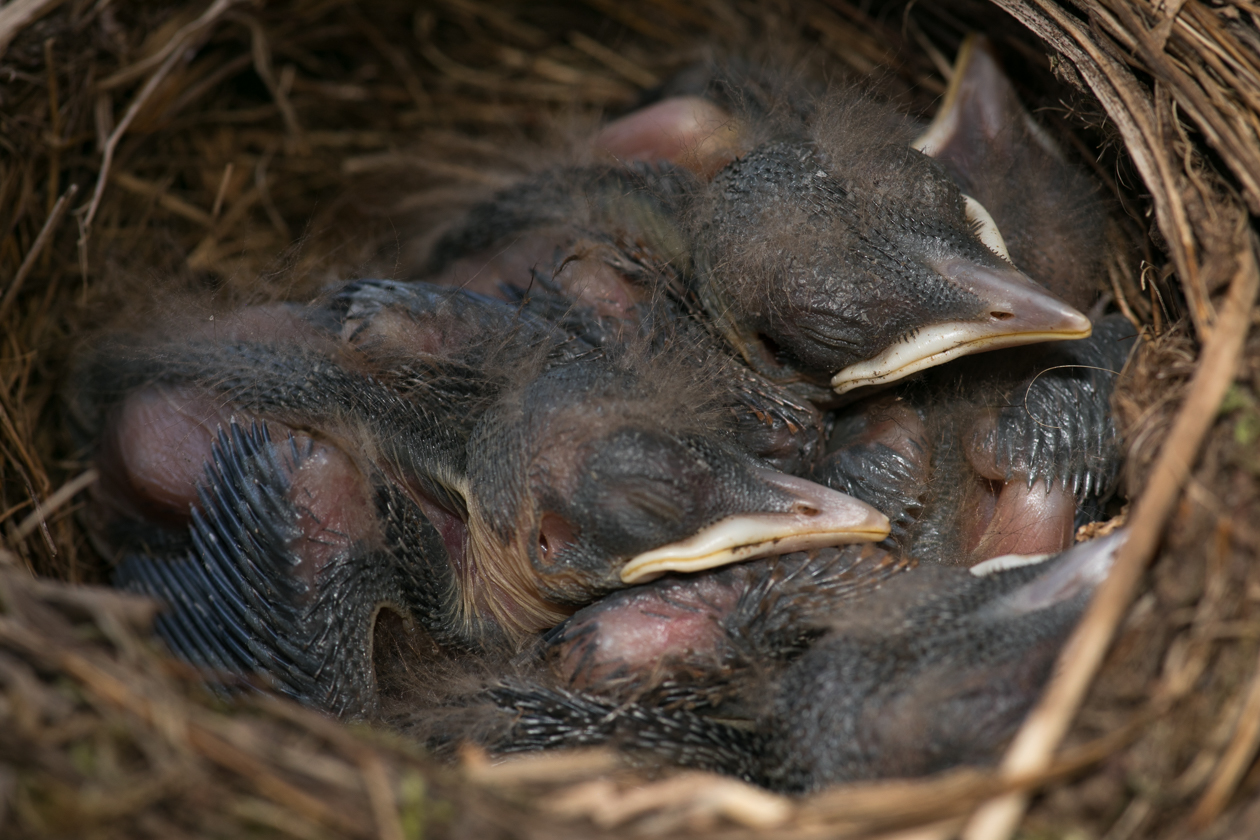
(832, 330)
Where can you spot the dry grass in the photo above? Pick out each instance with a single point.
(199, 155)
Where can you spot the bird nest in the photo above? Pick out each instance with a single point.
(202, 155)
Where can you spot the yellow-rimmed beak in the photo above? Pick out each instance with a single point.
(1015, 311)
(820, 517)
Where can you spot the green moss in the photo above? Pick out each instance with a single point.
(412, 804)
(1236, 398)
(1247, 428)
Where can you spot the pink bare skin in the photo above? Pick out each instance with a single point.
(643, 632)
(689, 131)
(333, 500)
(1016, 518)
(580, 267)
(154, 452)
(1026, 520)
(159, 442)
(588, 278)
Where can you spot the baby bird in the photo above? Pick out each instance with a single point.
(823, 259)
(278, 494)
(1048, 210)
(1023, 437)
(385, 456)
(618, 467)
(1024, 441)
(840, 260)
(938, 671)
(933, 667)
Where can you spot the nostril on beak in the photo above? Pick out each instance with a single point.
(1001, 316)
(805, 510)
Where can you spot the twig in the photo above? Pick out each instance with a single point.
(41, 241)
(64, 494)
(381, 795)
(222, 193)
(54, 127)
(16, 15)
(232, 758)
(260, 183)
(110, 684)
(1238, 755)
(130, 74)
(261, 51)
(385, 161)
(502, 21)
(614, 61)
(598, 90)
(624, 14)
(1212, 121)
(202, 257)
(1034, 746)
(396, 57)
(174, 54)
(1131, 108)
(174, 204)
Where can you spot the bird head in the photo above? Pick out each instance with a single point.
(860, 266)
(1047, 206)
(595, 477)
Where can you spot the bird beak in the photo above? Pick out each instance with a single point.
(978, 110)
(1016, 311)
(818, 517)
(968, 103)
(1078, 571)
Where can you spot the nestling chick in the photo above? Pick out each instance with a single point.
(612, 466)
(618, 467)
(1048, 210)
(390, 458)
(278, 495)
(823, 258)
(1022, 442)
(1022, 437)
(932, 668)
(856, 263)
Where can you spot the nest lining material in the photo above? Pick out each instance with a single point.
(177, 152)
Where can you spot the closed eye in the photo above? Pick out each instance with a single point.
(655, 505)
